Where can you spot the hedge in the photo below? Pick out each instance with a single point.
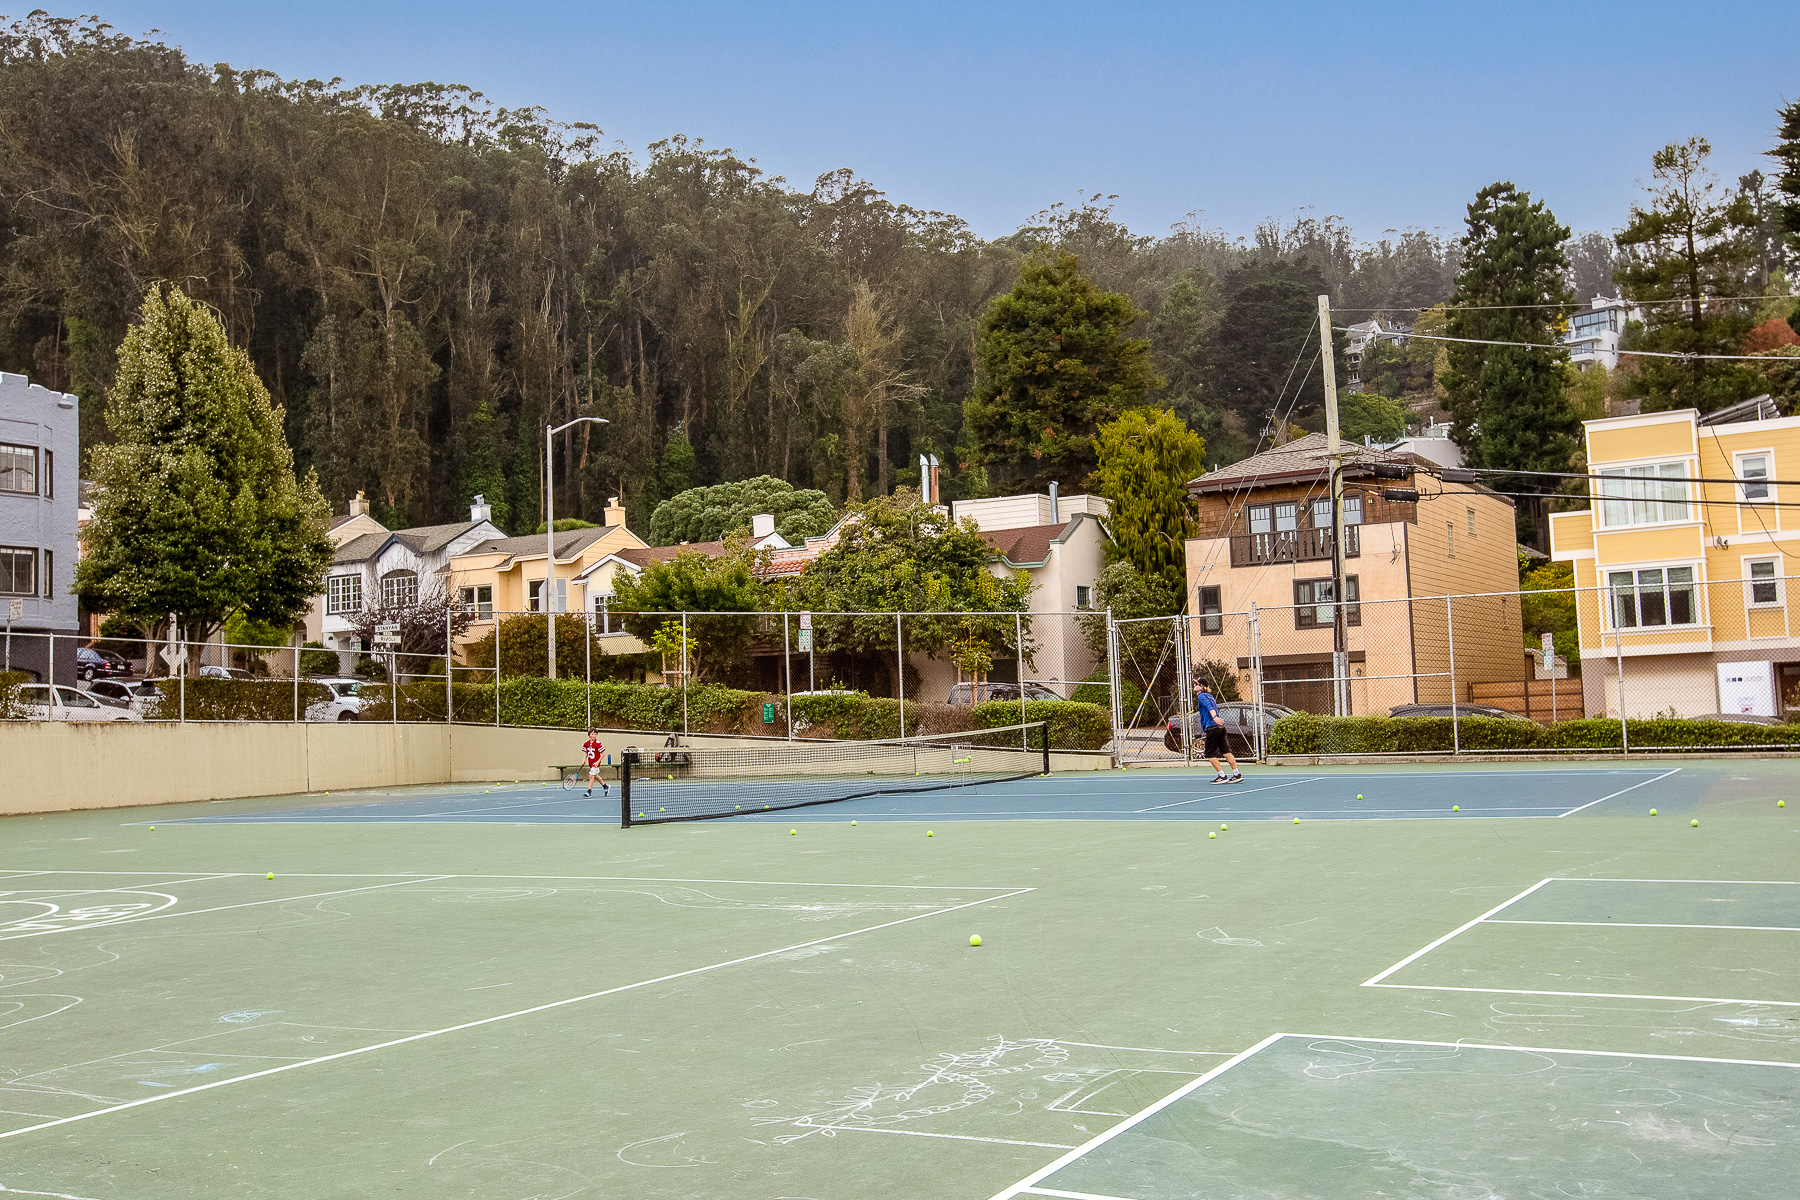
(1073, 725)
(235, 699)
(9, 693)
(1308, 734)
(1095, 690)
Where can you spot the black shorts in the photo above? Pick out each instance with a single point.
(1216, 746)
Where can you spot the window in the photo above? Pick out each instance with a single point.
(1312, 598)
(601, 604)
(1765, 587)
(1471, 513)
(1353, 510)
(1651, 597)
(1287, 518)
(1209, 608)
(536, 591)
(399, 589)
(478, 599)
(1260, 519)
(1084, 596)
(49, 574)
(18, 469)
(49, 474)
(1753, 476)
(343, 593)
(1644, 495)
(1450, 538)
(1321, 513)
(18, 571)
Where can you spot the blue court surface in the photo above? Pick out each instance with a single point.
(1444, 792)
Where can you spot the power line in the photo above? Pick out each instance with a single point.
(1573, 304)
(1431, 337)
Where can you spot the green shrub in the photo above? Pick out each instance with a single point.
(315, 659)
(1094, 690)
(236, 699)
(1073, 725)
(9, 693)
(1308, 734)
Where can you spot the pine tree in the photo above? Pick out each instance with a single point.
(198, 511)
(1055, 363)
(1507, 404)
(1787, 183)
(1147, 457)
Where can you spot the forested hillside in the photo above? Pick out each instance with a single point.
(423, 280)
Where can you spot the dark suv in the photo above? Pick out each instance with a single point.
(92, 664)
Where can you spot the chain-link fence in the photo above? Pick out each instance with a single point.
(1649, 649)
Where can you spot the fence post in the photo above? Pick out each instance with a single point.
(900, 668)
(181, 682)
(787, 673)
(450, 675)
(1450, 631)
(50, 664)
(1619, 656)
(296, 681)
(1184, 679)
(1019, 651)
(684, 673)
(587, 670)
(1112, 687)
(1256, 674)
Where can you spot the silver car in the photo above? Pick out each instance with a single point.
(44, 702)
(139, 695)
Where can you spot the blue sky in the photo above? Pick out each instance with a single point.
(1389, 114)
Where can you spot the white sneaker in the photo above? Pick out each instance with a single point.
(1218, 779)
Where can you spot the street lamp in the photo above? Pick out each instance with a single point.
(549, 593)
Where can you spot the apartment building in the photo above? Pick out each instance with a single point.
(39, 448)
(1265, 547)
(1595, 331)
(1683, 560)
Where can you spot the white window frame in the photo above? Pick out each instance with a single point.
(400, 588)
(1449, 539)
(1775, 581)
(336, 586)
(1636, 571)
(30, 453)
(1471, 513)
(1663, 471)
(1737, 471)
(469, 599)
(1353, 510)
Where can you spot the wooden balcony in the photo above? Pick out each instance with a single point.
(1297, 545)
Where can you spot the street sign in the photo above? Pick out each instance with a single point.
(1549, 653)
(15, 610)
(174, 656)
(387, 639)
(805, 639)
(806, 620)
(768, 713)
(387, 627)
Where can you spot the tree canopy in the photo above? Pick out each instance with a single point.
(707, 514)
(1147, 457)
(198, 511)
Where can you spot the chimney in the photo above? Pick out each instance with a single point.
(359, 507)
(937, 491)
(615, 513)
(478, 511)
(761, 526)
(1055, 517)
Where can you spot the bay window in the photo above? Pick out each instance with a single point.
(1644, 495)
(1653, 596)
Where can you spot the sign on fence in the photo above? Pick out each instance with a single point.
(805, 640)
(768, 713)
(174, 656)
(15, 610)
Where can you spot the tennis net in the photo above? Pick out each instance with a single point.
(698, 783)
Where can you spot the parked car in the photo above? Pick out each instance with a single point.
(1462, 710)
(91, 664)
(346, 703)
(1240, 719)
(45, 702)
(139, 695)
(969, 693)
(212, 672)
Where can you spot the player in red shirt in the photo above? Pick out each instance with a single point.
(591, 750)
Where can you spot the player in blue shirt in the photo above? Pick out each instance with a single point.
(1214, 729)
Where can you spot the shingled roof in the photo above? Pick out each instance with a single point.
(1299, 460)
(1029, 546)
(569, 542)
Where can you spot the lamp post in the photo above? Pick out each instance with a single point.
(549, 594)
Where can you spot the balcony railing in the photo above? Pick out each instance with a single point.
(1294, 545)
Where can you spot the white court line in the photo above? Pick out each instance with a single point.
(431, 1033)
(1138, 1049)
(1647, 925)
(1439, 987)
(1634, 787)
(959, 1137)
(1416, 954)
(111, 925)
(414, 876)
(1101, 1139)
(135, 887)
(1608, 879)
(1028, 1185)
(1245, 792)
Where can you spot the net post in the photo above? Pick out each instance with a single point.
(626, 759)
(1044, 729)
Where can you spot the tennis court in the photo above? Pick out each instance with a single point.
(493, 990)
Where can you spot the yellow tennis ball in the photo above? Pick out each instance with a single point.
(1695, 824)
(1781, 804)
(1222, 828)
(153, 829)
(1653, 812)
(928, 833)
(271, 874)
(1359, 795)
(853, 822)
(1296, 820)
(1456, 808)
(975, 939)
(1212, 835)
(793, 832)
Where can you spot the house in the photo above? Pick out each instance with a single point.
(1594, 332)
(374, 566)
(498, 576)
(1264, 549)
(39, 449)
(1356, 340)
(1682, 558)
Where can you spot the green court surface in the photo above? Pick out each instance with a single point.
(1604, 1005)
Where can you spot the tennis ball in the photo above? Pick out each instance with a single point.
(1359, 795)
(975, 939)
(1781, 804)
(1695, 824)
(662, 810)
(928, 833)
(1222, 828)
(1653, 812)
(671, 777)
(271, 874)
(153, 829)
(793, 832)
(1212, 835)
(1296, 820)
(1456, 808)
(853, 822)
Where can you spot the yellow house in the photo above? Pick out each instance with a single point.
(1682, 562)
(503, 576)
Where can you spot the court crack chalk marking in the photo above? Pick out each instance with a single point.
(162, 915)
(523, 1012)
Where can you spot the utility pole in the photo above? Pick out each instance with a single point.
(1334, 452)
(549, 593)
